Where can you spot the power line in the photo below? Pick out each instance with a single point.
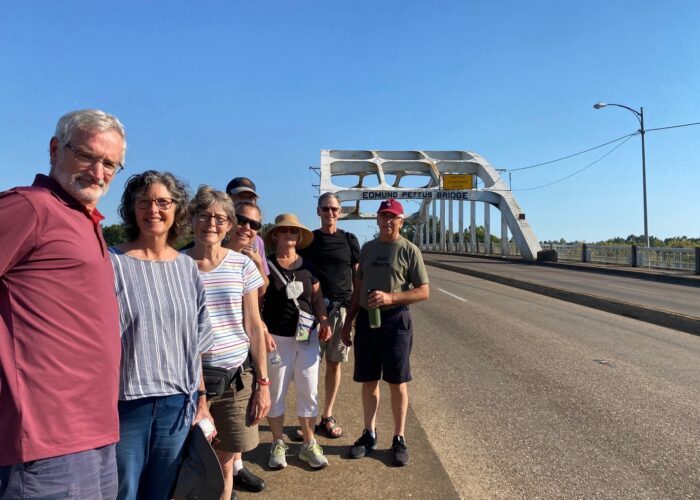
(575, 154)
(581, 169)
(673, 126)
(602, 145)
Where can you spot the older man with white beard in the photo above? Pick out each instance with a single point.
(59, 334)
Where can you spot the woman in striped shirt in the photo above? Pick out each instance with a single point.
(232, 281)
(165, 328)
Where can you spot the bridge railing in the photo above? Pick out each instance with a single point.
(679, 259)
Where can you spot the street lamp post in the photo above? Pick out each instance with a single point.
(640, 117)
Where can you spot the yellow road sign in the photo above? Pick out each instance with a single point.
(457, 182)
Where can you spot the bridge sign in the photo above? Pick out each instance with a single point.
(457, 182)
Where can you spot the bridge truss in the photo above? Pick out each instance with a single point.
(372, 175)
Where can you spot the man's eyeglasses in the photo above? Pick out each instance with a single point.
(86, 159)
(161, 203)
(242, 220)
(219, 220)
(335, 210)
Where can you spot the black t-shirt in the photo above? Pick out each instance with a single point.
(334, 255)
(279, 313)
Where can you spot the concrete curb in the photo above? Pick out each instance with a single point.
(667, 319)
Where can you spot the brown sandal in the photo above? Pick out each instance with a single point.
(330, 427)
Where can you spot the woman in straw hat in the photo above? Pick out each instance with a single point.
(294, 292)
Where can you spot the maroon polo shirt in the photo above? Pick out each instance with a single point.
(59, 334)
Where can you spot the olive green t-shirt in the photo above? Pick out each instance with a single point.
(390, 267)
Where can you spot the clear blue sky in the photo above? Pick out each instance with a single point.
(213, 90)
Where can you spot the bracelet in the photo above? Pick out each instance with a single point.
(262, 381)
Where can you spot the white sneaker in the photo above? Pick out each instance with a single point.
(313, 455)
(278, 454)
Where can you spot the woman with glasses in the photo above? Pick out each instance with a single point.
(294, 292)
(165, 328)
(232, 281)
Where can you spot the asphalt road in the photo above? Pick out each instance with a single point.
(518, 395)
(525, 396)
(666, 296)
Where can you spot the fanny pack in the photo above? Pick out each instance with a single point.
(217, 380)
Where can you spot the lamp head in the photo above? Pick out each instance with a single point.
(599, 105)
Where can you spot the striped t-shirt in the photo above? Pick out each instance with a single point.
(164, 324)
(226, 284)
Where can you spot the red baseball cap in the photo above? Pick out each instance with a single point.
(391, 206)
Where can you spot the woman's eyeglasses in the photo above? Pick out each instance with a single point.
(219, 220)
(242, 220)
(161, 203)
(286, 229)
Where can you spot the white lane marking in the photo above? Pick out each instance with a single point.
(636, 289)
(453, 295)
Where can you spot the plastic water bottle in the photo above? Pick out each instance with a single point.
(275, 358)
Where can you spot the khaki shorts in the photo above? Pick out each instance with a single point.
(334, 349)
(231, 412)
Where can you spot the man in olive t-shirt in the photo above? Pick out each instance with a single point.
(391, 276)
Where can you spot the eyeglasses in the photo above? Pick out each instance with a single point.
(284, 229)
(330, 209)
(242, 220)
(219, 220)
(85, 158)
(161, 203)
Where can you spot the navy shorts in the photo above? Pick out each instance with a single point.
(383, 353)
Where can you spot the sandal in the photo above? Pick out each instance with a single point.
(330, 427)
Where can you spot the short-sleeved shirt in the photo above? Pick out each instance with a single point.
(390, 266)
(334, 255)
(59, 327)
(260, 245)
(164, 325)
(235, 276)
(279, 313)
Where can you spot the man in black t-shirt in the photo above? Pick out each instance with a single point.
(336, 254)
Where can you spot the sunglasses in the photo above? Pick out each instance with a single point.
(242, 220)
(285, 229)
(330, 209)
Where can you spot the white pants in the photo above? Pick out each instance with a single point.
(299, 362)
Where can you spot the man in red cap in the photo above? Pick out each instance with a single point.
(391, 276)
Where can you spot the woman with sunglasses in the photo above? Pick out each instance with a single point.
(243, 236)
(165, 328)
(232, 281)
(294, 291)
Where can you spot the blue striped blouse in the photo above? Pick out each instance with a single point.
(164, 325)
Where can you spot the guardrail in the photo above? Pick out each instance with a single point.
(679, 259)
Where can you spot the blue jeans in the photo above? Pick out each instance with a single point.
(86, 474)
(152, 433)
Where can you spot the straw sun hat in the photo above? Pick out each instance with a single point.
(290, 220)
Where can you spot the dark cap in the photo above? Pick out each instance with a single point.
(391, 206)
(239, 185)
